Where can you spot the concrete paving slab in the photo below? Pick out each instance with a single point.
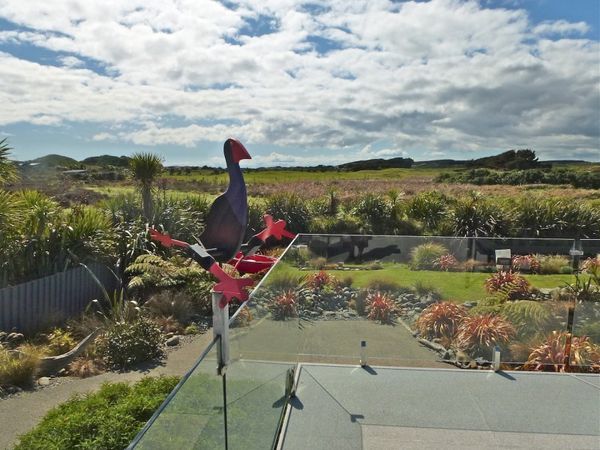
(433, 408)
(376, 437)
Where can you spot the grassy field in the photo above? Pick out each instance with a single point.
(454, 286)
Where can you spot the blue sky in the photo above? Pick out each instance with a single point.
(301, 83)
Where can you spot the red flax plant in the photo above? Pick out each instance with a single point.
(284, 306)
(560, 352)
(480, 333)
(381, 307)
(526, 262)
(319, 280)
(513, 284)
(441, 320)
(446, 262)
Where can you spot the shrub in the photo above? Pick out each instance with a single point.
(318, 263)
(550, 355)
(441, 320)
(85, 367)
(108, 419)
(381, 307)
(446, 262)
(526, 262)
(170, 304)
(472, 265)
(591, 266)
(480, 333)
(429, 208)
(168, 324)
(528, 317)
(509, 284)
(292, 209)
(284, 306)
(423, 289)
(18, 369)
(244, 318)
(127, 343)
(552, 264)
(425, 256)
(374, 211)
(584, 355)
(59, 342)
(376, 284)
(590, 329)
(359, 303)
(320, 280)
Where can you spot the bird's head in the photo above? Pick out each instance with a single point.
(235, 150)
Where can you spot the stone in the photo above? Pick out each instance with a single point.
(15, 338)
(43, 381)
(172, 341)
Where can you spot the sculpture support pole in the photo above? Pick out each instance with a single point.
(221, 329)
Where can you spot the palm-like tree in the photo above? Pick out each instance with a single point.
(8, 171)
(145, 168)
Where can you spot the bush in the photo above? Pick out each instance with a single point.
(423, 289)
(375, 212)
(284, 281)
(318, 263)
(321, 280)
(170, 304)
(284, 306)
(552, 264)
(526, 262)
(108, 419)
(425, 256)
(509, 284)
(292, 209)
(375, 284)
(59, 342)
(381, 307)
(127, 343)
(18, 369)
(480, 333)
(550, 355)
(441, 320)
(447, 262)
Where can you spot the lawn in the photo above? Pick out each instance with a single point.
(456, 286)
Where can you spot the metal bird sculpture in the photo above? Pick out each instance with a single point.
(223, 235)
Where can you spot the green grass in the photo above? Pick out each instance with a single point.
(455, 286)
(291, 176)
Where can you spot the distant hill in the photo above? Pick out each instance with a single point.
(53, 161)
(107, 160)
(375, 164)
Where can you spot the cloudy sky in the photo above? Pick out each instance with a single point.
(298, 82)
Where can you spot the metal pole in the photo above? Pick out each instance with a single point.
(221, 329)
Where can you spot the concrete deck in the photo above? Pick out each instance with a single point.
(346, 407)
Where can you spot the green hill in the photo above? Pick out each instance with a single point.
(107, 160)
(54, 161)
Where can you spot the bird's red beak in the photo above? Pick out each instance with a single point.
(238, 151)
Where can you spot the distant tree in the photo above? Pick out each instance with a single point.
(145, 169)
(8, 170)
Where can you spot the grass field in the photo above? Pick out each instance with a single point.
(454, 286)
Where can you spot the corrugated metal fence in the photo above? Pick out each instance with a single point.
(50, 300)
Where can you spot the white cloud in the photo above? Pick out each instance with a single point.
(446, 74)
(561, 27)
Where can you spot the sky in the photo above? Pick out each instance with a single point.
(300, 83)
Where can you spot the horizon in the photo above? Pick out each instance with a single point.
(301, 83)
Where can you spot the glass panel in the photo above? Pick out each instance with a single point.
(193, 418)
(463, 296)
(261, 361)
(585, 343)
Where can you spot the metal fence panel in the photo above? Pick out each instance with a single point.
(50, 300)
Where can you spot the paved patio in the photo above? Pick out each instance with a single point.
(348, 407)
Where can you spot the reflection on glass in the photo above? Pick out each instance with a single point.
(416, 301)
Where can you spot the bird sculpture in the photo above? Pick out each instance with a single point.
(224, 233)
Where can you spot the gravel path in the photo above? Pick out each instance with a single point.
(21, 412)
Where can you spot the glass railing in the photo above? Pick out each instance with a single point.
(193, 414)
(423, 302)
(333, 303)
